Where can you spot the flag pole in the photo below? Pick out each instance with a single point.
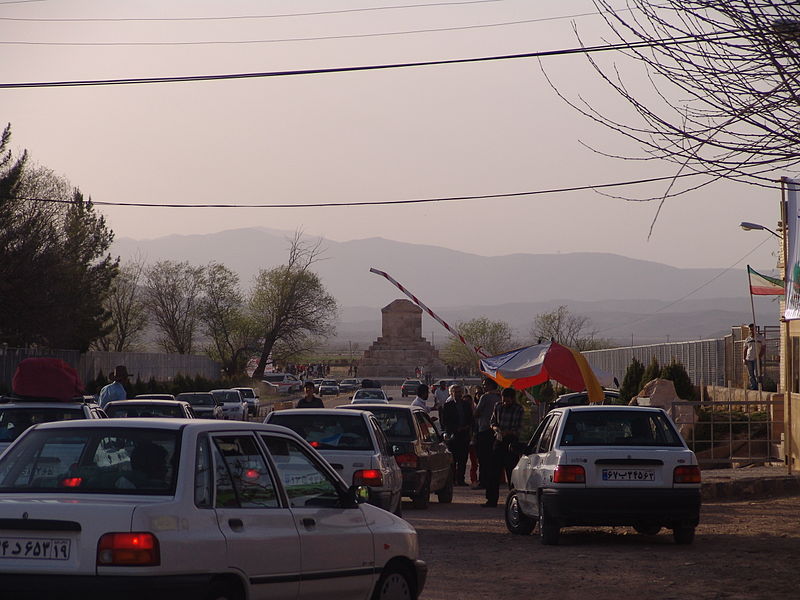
(755, 334)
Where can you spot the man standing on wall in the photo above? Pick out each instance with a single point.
(754, 349)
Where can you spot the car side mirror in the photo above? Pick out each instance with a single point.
(357, 494)
(396, 450)
(390, 398)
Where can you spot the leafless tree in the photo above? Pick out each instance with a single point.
(567, 329)
(290, 304)
(172, 291)
(128, 309)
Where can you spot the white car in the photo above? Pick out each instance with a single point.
(328, 387)
(370, 396)
(167, 508)
(233, 405)
(283, 383)
(250, 396)
(605, 465)
(354, 444)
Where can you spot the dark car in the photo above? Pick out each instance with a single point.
(149, 408)
(409, 387)
(582, 399)
(419, 449)
(204, 405)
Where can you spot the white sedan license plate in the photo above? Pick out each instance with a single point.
(629, 475)
(36, 548)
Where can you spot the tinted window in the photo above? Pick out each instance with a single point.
(247, 393)
(619, 428)
(396, 424)
(241, 475)
(13, 421)
(145, 411)
(369, 395)
(227, 396)
(328, 432)
(197, 399)
(305, 480)
(116, 461)
(429, 432)
(546, 441)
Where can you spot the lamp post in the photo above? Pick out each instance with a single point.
(747, 226)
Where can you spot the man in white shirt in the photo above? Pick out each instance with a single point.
(754, 349)
(440, 395)
(421, 400)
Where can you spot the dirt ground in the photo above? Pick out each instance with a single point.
(748, 549)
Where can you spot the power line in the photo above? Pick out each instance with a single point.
(352, 69)
(376, 202)
(235, 17)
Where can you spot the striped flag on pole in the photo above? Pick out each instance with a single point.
(763, 285)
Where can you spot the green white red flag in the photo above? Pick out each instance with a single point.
(764, 285)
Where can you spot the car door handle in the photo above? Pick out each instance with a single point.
(236, 524)
(308, 522)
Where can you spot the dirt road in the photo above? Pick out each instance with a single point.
(743, 550)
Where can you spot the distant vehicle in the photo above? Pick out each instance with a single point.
(582, 399)
(204, 405)
(17, 415)
(353, 443)
(147, 408)
(328, 387)
(605, 465)
(155, 396)
(317, 381)
(370, 395)
(284, 383)
(233, 406)
(250, 396)
(349, 385)
(409, 387)
(425, 461)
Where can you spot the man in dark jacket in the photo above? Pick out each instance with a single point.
(456, 419)
(310, 400)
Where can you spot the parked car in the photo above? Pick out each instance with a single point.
(250, 396)
(409, 387)
(204, 405)
(582, 399)
(349, 385)
(328, 387)
(317, 381)
(605, 465)
(353, 443)
(16, 415)
(161, 508)
(369, 395)
(146, 408)
(418, 447)
(233, 405)
(284, 383)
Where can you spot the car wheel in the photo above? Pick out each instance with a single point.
(420, 501)
(395, 583)
(221, 590)
(647, 528)
(548, 529)
(683, 535)
(517, 522)
(445, 495)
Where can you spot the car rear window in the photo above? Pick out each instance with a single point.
(618, 428)
(145, 410)
(197, 399)
(97, 461)
(328, 432)
(369, 395)
(247, 393)
(13, 421)
(227, 396)
(396, 424)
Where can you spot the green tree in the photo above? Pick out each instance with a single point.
(290, 304)
(172, 290)
(492, 337)
(653, 371)
(567, 329)
(632, 382)
(676, 373)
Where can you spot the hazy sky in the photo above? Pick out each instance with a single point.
(436, 131)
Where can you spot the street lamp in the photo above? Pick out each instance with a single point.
(756, 227)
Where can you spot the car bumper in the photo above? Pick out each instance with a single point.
(421, 569)
(381, 499)
(413, 481)
(89, 587)
(667, 507)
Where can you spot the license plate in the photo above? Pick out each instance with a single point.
(629, 475)
(36, 548)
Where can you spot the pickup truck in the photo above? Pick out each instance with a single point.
(284, 383)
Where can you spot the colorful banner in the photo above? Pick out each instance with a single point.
(764, 285)
(792, 230)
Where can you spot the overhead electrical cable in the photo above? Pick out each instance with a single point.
(376, 202)
(352, 69)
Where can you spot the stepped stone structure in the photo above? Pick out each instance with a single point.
(401, 348)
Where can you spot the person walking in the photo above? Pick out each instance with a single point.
(484, 438)
(309, 400)
(456, 419)
(421, 399)
(440, 395)
(116, 389)
(477, 392)
(754, 350)
(506, 423)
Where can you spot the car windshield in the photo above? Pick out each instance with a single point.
(412, 382)
(328, 432)
(197, 399)
(13, 421)
(395, 422)
(329, 382)
(273, 378)
(369, 395)
(619, 428)
(227, 396)
(93, 460)
(247, 393)
(141, 409)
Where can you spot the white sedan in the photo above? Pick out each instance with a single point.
(167, 508)
(369, 395)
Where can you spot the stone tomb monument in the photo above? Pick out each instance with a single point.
(401, 348)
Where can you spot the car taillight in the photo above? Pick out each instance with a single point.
(686, 474)
(569, 474)
(71, 482)
(371, 477)
(408, 461)
(128, 549)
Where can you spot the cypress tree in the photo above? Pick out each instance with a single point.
(632, 382)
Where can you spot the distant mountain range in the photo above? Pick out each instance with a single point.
(621, 296)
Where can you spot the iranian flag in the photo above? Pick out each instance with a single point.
(763, 285)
